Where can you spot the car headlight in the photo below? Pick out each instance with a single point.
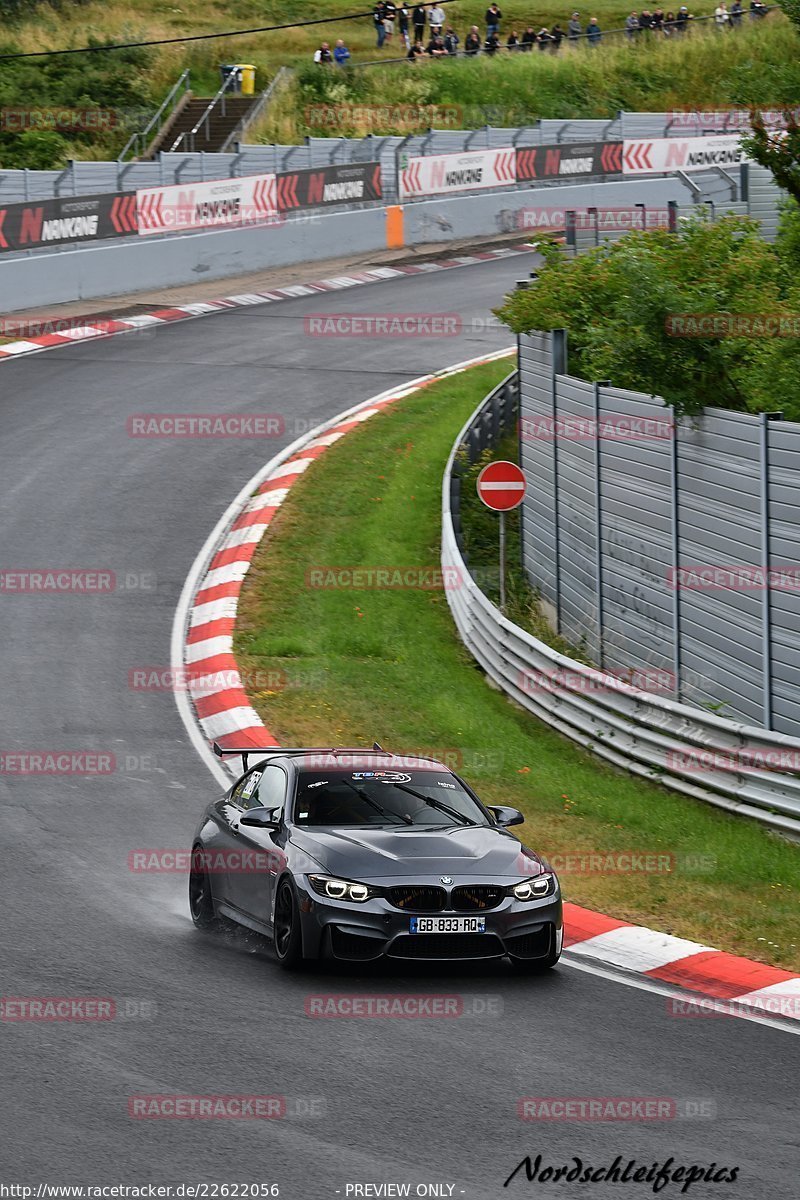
(340, 889)
(533, 889)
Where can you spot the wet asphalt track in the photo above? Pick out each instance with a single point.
(406, 1101)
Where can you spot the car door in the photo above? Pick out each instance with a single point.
(259, 859)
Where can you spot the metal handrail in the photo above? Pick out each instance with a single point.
(183, 82)
(206, 117)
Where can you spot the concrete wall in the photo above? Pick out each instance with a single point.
(137, 264)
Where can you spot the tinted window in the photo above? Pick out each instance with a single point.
(398, 798)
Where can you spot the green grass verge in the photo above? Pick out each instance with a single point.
(361, 665)
(756, 64)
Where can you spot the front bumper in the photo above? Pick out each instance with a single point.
(351, 932)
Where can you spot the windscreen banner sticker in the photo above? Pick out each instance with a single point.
(251, 784)
(383, 776)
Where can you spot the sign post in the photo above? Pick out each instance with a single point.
(501, 487)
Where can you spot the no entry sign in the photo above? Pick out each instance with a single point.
(501, 486)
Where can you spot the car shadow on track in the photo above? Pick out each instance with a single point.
(245, 944)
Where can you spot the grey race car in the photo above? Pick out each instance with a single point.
(356, 855)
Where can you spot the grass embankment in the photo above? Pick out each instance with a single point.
(387, 665)
(758, 62)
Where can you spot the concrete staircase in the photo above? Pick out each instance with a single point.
(212, 135)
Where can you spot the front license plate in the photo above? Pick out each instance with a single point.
(448, 924)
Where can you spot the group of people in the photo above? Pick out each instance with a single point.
(423, 34)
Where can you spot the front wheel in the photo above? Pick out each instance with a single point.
(287, 934)
(201, 902)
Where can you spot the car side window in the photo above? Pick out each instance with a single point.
(272, 788)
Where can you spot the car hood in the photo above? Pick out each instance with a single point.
(410, 852)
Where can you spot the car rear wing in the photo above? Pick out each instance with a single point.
(274, 751)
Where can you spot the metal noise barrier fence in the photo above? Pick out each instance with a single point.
(726, 763)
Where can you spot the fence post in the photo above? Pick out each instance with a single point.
(672, 216)
(598, 524)
(559, 367)
(676, 554)
(766, 606)
(569, 230)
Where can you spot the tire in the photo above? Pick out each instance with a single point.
(201, 901)
(287, 933)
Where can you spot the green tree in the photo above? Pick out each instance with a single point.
(628, 306)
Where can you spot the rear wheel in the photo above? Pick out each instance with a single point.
(287, 934)
(201, 902)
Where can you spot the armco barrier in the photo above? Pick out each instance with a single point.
(685, 748)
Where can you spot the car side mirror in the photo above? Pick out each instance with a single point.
(506, 816)
(261, 818)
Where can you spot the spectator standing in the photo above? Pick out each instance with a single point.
(682, 19)
(757, 10)
(472, 42)
(721, 16)
(574, 29)
(529, 39)
(632, 26)
(436, 19)
(493, 16)
(736, 14)
(544, 39)
(658, 20)
(594, 33)
(556, 38)
(340, 53)
(378, 17)
(323, 55)
(418, 19)
(451, 42)
(645, 19)
(512, 42)
(402, 24)
(669, 24)
(492, 43)
(389, 15)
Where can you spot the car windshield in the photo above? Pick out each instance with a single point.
(397, 798)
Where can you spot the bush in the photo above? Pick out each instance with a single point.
(619, 303)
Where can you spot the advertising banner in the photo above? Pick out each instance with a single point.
(681, 154)
(319, 187)
(67, 219)
(569, 159)
(439, 174)
(218, 203)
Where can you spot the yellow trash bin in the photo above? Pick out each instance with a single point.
(247, 74)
